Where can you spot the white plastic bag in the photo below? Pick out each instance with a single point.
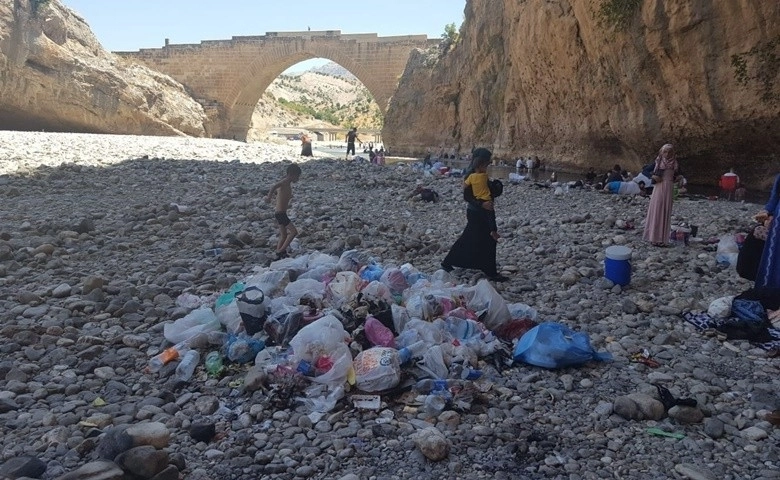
(489, 305)
(343, 287)
(318, 259)
(303, 287)
(433, 362)
(352, 261)
(521, 310)
(377, 369)
(721, 307)
(229, 316)
(400, 317)
(728, 251)
(197, 321)
(295, 266)
(271, 282)
(324, 342)
(378, 291)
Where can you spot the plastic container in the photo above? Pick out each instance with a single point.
(617, 265)
(214, 365)
(186, 367)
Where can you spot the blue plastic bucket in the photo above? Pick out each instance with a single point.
(617, 265)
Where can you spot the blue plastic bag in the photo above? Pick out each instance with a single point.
(552, 345)
(371, 272)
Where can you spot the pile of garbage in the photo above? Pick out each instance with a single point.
(319, 325)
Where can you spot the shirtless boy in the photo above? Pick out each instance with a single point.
(287, 230)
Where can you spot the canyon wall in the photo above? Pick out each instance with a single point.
(561, 80)
(54, 75)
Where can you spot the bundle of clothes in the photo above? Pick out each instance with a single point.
(753, 315)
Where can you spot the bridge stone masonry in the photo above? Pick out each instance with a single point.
(228, 77)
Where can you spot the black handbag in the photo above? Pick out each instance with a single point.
(750, 257)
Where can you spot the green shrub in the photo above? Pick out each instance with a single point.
(618, 13)
(38, 4)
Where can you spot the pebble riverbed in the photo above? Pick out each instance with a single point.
(94, 252)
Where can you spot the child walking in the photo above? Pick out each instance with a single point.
(287, 230)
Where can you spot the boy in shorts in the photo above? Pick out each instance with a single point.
(287, 230)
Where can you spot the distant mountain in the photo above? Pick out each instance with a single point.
(327, 96)
(334, 70)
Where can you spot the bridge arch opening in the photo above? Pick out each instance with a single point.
(317, 96)
(228, 77)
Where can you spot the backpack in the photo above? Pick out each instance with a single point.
(496, 188)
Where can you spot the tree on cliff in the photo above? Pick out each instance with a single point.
(449, 38)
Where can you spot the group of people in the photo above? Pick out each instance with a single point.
(659, 212)
(476, 246)
(376, 156)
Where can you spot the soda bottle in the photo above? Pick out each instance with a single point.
(214, 364)
(186, 367)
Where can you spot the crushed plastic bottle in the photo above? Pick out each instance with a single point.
(186, 367)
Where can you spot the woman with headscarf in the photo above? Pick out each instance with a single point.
(476, 247)
(659, 212)
(768, 276)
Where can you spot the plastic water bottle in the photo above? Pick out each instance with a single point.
(435, 403)
(412, 351)
(186, 367)
(463, 372)
(428, 385)
(214, 365)
(166, 356)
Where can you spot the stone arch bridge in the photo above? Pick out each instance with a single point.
(229, 76)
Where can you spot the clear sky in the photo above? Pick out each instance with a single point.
(134, 24)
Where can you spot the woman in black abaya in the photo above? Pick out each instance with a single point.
(475, 248)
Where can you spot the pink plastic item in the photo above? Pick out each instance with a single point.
(378, 334)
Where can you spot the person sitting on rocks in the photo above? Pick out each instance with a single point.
(614, 175)
(590, 177)
(425, 194)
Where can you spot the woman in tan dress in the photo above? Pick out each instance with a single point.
(659, 212)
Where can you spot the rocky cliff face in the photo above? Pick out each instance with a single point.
(559, 79)
(54, 75)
